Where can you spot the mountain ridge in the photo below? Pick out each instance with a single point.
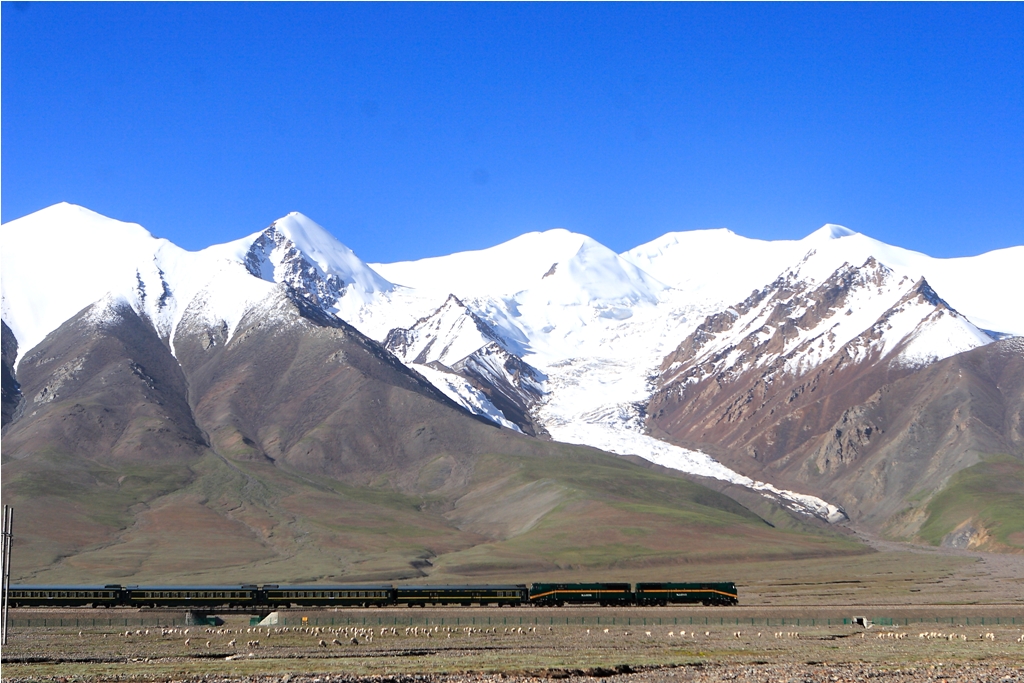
(550, 333)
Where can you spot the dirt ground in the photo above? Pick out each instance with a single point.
(936, 616)
(928, 648)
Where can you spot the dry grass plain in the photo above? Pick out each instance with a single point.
(906, 591)
(236, 651)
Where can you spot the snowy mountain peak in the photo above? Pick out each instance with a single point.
(798, 324)
(60, 259)
(584, 270)
(471, 363)
(297, 251)
(446, 336)
(595, 274)
(830, 231)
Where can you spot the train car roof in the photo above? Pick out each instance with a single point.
(325, 587)
(234, 587)
(479, 586)
(616, 584)
(685, 583)
(56, 587)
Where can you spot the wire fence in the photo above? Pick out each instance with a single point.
(606, 621)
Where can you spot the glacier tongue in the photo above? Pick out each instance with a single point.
(599, 401)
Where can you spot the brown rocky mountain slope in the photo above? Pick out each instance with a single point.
(299, 450)
(11, 392)
(511, 384)
(870, 427)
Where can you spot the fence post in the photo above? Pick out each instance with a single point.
(5, 580)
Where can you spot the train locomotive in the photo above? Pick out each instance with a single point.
(274, 596)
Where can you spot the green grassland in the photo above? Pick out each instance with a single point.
(988, 496)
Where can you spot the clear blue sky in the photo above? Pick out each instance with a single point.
(411, 130)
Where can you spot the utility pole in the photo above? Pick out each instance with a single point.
(6, 546)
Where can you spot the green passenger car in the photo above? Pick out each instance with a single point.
(65, 596)
(723, 593)
(558, 594)
(501, 595)
(328, 596)
(195, 597)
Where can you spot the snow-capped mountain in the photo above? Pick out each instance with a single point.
(551, 332)
(798, 322)
(567, 267)
(744, 367)
(454, 340)
(87, 257)
(722, 267)
(63, 258)
(298, 252)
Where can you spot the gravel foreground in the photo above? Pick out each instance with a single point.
(959, 672)
(451, 653)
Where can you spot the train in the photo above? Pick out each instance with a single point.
(273, 596)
